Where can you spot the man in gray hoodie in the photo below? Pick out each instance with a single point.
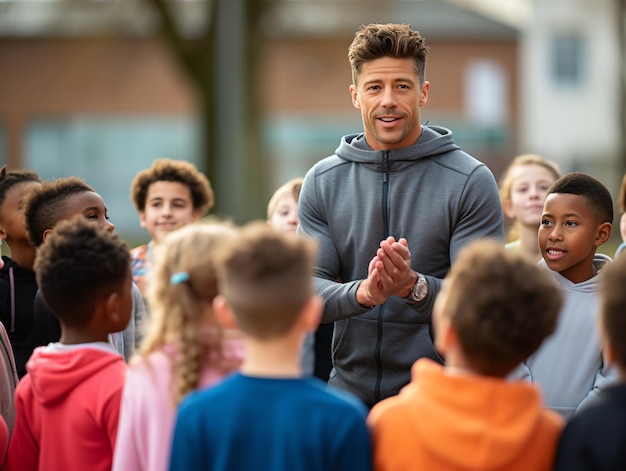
(390, 210)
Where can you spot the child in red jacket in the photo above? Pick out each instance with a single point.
(67, 405)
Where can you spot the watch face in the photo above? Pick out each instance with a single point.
(421, 288)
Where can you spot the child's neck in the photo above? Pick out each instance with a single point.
(582, 275)
(23, 254)
(73, 336)
(273, 358)
(455, 362)
(529, 243)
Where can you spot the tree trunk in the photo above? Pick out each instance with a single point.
(222, 65)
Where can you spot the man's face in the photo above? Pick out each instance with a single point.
(389, 95)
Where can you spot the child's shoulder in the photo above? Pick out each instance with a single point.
(610, 407)
(600, 261)
(314, 394)
(156, 363)
(151, 370)
(11, 266)
(599, 430)
(139, 252)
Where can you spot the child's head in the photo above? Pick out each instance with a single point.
(14, 184)
(45, 206)
(169, 195)
(523, 188)
(183, 283)
(577, 219)
(282, 209)
(266, 278)
(611, 318)
(83, 270)
(495, 307)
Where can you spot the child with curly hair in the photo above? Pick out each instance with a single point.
(67, 405)
(168, 195)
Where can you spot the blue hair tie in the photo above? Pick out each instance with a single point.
(179, 277)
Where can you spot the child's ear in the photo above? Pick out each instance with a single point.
(608, 353)
(223, 313)
(603, 233)
(445, 336)
(46, 233)
(312, 313)
(196, 215)
(142, 219)
(507, 209)
(112, 309)
(3, 234)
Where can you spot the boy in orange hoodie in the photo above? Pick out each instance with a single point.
(67, 405)
(493, 311)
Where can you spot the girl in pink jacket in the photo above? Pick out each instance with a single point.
(184, 348)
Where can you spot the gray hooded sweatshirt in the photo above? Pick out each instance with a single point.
(434, 195)
(568, 365)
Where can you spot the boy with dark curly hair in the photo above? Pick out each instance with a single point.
(67, 405)
(168, 195)
(494, 309)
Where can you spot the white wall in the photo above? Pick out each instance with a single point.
(575, 125)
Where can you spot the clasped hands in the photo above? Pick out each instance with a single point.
(389, 273)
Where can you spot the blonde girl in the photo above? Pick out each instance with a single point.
(282, 209)
(184, 348)
(523, 189)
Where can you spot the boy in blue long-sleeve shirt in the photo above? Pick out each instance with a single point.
(270, 416)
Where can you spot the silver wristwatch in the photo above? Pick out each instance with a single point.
(419, 290)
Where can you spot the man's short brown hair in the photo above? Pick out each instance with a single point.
(501, 305)
(399, 41)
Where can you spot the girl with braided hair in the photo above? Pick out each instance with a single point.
(184, 348)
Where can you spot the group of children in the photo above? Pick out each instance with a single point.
(218, 374)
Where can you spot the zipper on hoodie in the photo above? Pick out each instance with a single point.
(381, 309)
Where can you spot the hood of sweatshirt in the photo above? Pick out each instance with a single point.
(587, 286)
(434, 140)
(472, 422)
(20, 272)
(55, 372)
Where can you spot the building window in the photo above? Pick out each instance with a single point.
(567, 59)
(107, 152)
